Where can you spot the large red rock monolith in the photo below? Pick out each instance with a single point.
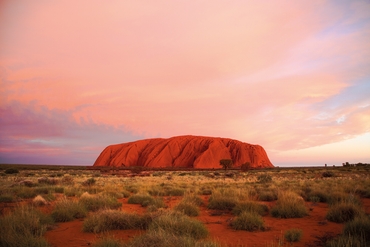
(183, 151)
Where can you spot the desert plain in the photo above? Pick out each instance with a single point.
(92, 206)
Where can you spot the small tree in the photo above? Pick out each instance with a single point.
(226, 163)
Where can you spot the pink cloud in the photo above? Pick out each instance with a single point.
(260, 72)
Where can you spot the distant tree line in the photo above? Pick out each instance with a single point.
(347, 164)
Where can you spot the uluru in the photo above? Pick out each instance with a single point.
(197, 152)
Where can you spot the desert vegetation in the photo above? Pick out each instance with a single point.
(229, 207)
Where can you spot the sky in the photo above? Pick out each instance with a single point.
(291, 76)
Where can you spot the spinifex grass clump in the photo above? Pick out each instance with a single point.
(96, 202)
(24, 227)
(268, 195)
(344, 212)
(39, 201)
(146, 200)
(115, 220)
(289, 205)
(188, 208)
(7, 198)
(250, 206)
(248, 221)
(293, 235)
(161, 238)
(67, 210)
(359, 228)
(108, 242)
(180, 225)
(222, 200)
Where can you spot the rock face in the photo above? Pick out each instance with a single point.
(183, 151)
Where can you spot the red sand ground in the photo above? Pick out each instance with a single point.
(70, 233)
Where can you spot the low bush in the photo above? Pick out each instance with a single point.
(289, 205)
(250, 206)
(327, 174)
(293, 235)
(11, 171)
(67, 210)
(248, 221)
(49, 181)
(115, 220)
(343, 212)
(24, 227)
(180, 225)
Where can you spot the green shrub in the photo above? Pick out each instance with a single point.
(293, 235)
(11, 171)
(289, 205)
(97, 202)
(249, 221)
(188, 208)
(180, 225)
(67, 210)
(24, 227)
(343, 212)
(114, 220)
(250, 206)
